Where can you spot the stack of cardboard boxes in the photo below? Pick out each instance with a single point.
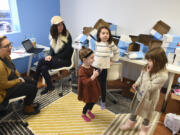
(170, 45)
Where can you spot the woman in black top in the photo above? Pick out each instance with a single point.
(60, 52)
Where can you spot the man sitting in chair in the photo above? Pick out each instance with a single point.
(11, 84)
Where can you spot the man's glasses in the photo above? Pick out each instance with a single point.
(7, 46)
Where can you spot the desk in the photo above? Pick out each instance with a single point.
(21, 53)
(172, 69)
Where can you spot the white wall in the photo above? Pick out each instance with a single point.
(132, 16)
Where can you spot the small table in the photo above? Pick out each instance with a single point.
(21, 53)
(173, 105)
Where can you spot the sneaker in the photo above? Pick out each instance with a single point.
(103, 106)
(92, 116)
(47, 89)
(128, 125)
(3, 113)
(85, 118)
(144, 130)
(44, 91)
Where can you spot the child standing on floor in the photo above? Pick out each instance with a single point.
(148, 85)
(89, 89)
(105, 53)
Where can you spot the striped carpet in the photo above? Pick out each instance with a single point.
(14, 128)
(64, 117)
(114, 129)
(11, 127)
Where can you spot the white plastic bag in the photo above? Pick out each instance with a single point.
(172, 121)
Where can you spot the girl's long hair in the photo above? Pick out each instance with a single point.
(99, 31)
(158, 57)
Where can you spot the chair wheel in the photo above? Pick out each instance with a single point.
(60, 94)
(115, 102)
(20, 101)
(25, 124)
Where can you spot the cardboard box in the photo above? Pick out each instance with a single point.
(177, 60)
(124, 42)
(145, 39)
(122, 52)
(169, 50)
(169, 44)
(142, 38)
(134, 38)
(171, 58)
(101, 23)
(161, 27)
(92, 39)
(112, 27)
(133, 47)
(115, 40)
(177, 51)
(123, 45)
(156, 34)
(136, 55)
(171, 38)
(155, 43)
(87, 30)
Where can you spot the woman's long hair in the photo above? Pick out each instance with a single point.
(54, 31)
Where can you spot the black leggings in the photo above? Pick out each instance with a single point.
(102, 80)
(27, 89)
(44, 66)
(88, 106)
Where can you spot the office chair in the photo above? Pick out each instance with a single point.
(12, 103)
(114, 73)
(57, 71)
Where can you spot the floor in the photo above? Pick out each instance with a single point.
(160, 129)
(122, 107)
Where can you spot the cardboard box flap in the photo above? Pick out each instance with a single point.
(161, 27)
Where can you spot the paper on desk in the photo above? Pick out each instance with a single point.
(15, 55)
(21, 51)
(18, 54)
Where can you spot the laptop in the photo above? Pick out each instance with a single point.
(27, 44)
